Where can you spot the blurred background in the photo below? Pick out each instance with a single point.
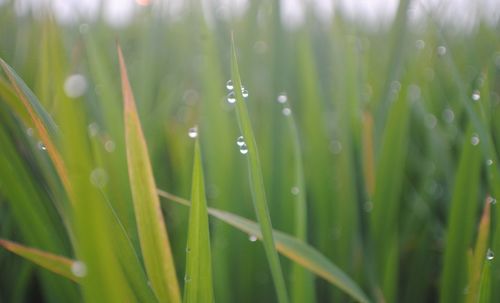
(342, 65)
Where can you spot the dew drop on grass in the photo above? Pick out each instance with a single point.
(93, 129)
(99, 177)
(244, 92)
(252, 238)
(240, 141)
(188, 250)
(75, 86)
(441, 50)
(491, 200)
(430, 121)
(490, 255)
(286, 111)
(335, 147)
(419, 44)
(193, 132)
(295, 190)
(448, 115)
(79, 269)
(489, 162)
(41, 146)
(474, 140)
(282, 98)
(476, 95)
(244, 149)
(231, 98)
(187, 278)
(229, 84)
(110, 146)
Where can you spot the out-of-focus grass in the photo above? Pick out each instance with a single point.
(392, 153)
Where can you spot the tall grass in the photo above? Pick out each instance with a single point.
(370, 178)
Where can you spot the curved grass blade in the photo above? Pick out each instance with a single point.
(57, 264)
(257, 182)
(292, 248)
(198, 280)
(151, 227)
(43, 123)
(480, 252)
(460, 223)
(302, 282)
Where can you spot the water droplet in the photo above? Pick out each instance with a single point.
(79, 269)
(489, 162)
(490, 255)
(335, 147)
(282, 98)
(430, 121)
(187, 278)
(286, 111)
(295, 190)
(476, 95)
(419, 44)
(41, 146)
(368, 206)
(474, 140)
(240, 141)
(244, 92)
(110, 146)
(99, 177)
(75, 86)
(491, 200)
(231, 98)
(193, 132)
(93, 129)
(441, 50)
(244, 149)
(448, 115)
(30, 132)
(229, 84)
(83, 28)
(252, 238)
(188, 250)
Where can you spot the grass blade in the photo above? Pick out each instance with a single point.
(302, 283)
(150, 224)
(198, 280)
(291, 247)
(257, 182)
(479, 256)
(57, 264)
(460, 223)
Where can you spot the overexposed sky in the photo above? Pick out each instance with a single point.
(118, 13)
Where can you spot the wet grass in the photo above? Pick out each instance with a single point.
(368, 156)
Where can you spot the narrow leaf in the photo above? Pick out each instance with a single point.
(257, 182)
(151, 227)
(198, 280)
(57, 264)
(479, 256)
(291, 247)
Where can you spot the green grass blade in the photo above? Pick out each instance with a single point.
(460, 223)
(302, 283)
(150, 223)
(198, 279)
(388, 186)
(485, 286)
(57, 264)
(257, 182)
(293, 248)
(479, 256)
(43, 123)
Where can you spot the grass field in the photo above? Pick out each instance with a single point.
(232, 159)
